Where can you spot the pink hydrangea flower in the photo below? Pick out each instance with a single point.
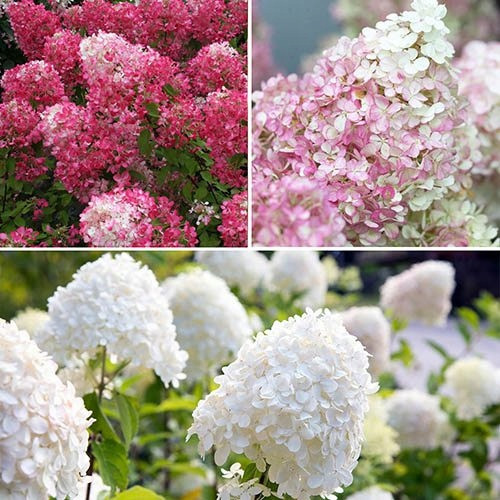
(234, 221)
(225, 132)
(32, 24)
(216, 66)
(377, 127)
(133, 218)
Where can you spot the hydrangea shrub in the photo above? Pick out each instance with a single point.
(122, 119)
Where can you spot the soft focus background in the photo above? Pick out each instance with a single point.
(27, 279)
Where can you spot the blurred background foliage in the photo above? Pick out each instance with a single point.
(29, 278)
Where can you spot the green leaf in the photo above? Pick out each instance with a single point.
(250, 472)
(187, 191)
(405, 354)
(168, 89)
(171, 404)
(152, 109)
(113, 464)
(129, 418)
(138, 493)
(201, 193)
(439, 349)
(469, 316)
(465, 332)
(101, 424)
(145, 143)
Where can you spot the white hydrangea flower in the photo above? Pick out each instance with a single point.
(294, 401)
(422, 293)
(211, 323)
(97, 490)
(373, 330)
(474, 384)
(243, 269)
(118, 303)
(43, 425)
(372, 493)
(418, 419)
(234, 488)
(293, 272)
(30, 320)
(380, 442)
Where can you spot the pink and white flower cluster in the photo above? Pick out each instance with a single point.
(373, 147)
(112, 93)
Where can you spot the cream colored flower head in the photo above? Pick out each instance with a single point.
(418, 419)
(373, 330)
(299, 272)
(474, 384)
(211, 323)
(421, 293)
(118, 303)
(245, 270)
(30, 320)
(380, 442)
(43, 425)
(294, 401)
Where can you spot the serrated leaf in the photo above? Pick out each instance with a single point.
(138, 493)
(129, 418)
(112, 459)
(101, 424)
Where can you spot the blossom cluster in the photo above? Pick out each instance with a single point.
(467, 19)
(294, 401)
(418, 419)
(129, 104)
(115, 303)
(372, 329)
(479, 70)
(210, 321)
(373, 147)
(474, 384)
(422, 292)
(43, 425)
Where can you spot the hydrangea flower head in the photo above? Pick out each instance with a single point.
(133, 218)
(369, 144)
(30, 320)
(380, 444)
(373, 330)
(243, 269)
(117, 303)
(474, 385)
(43, 425)
(421, 293)
(299, 272)
(418, 420)
(211, 323)
(294, 401)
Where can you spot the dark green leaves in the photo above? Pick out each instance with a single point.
(145, 143)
